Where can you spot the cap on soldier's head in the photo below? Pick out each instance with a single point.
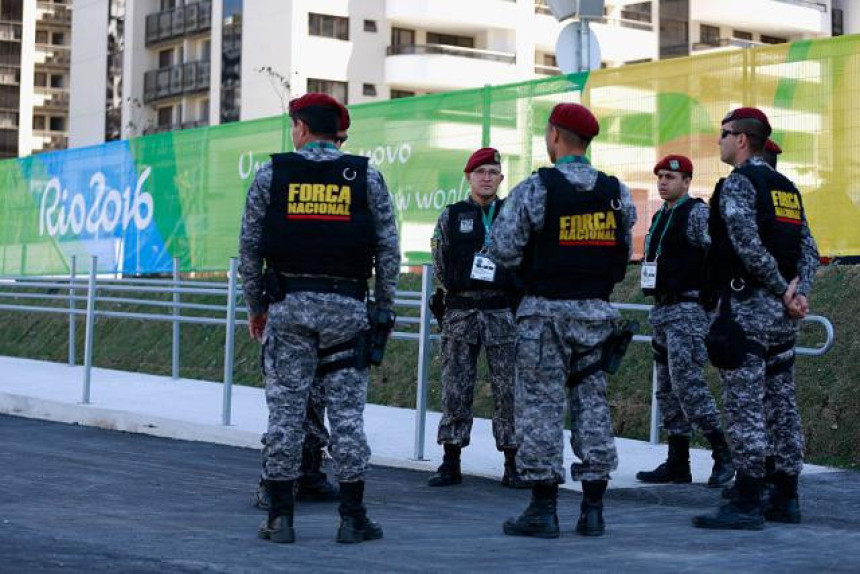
(576, 118)
(772, 147)
(679, 163)
(749, 114)
(485, 155)
(344, 119)
(313, 99)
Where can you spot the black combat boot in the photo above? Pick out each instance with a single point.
(278, 526)
(539, 519)
(260, 498)
(743, 512)
(784, 504)
(676, 469)
(729, 492)
(591, 509)
(355, 526)
(723, 470)
(448, 472)
(511, 478)
(313, 482)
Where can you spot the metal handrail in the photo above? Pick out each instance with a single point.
(87, 289)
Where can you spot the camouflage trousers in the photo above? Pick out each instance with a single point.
(464, 331)
(297, 329)
(683, 394)
(760, 408)
(545, 346)
(316, 435)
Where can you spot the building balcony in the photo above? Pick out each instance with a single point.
(188, 20)
(53, 56)
(49, 140)
(51, 98)
(176, 81)
(441, 67)
(783, 17)
(453, 15)
(10, 32)
(542, 70)
(54, 14)
(175, 127)
(724, 44)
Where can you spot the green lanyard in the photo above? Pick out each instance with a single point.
(665, 229)
(487, 218)
(572, 159)
(321, 144)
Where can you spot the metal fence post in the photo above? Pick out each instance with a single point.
(226, 404)
(423, 362)
(174, 357)
(654, 434)
(72, 307)
(90, 328)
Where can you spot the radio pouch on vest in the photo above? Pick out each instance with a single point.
(726, 340)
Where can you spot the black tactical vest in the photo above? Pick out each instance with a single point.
(465, 238)
(779, 216)
(318, 221)
(681, 266)
(582, 251)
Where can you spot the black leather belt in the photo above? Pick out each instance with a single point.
(347, 287)
(485, 304)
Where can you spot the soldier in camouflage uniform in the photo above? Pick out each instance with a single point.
(569, 230)
(313, 484)
(322, 221)
(673, 273)
(478, 312)
(762, 263)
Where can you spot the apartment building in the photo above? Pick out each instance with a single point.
(34, 76)
(174, 64)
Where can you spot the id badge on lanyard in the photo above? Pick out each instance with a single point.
(648, 276)
(483, 268)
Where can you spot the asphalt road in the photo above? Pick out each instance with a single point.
(75, 499)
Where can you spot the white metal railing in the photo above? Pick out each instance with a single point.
(94, 290)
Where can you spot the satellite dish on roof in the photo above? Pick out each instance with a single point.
(564, 9)
(577, 49)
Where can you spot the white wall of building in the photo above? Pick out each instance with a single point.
(89, 60)
(267, 30)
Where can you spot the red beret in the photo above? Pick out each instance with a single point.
(481, 157)
(772, 147)
(575, 118)
(749, 114)
(677, 163)
(344, 119)
(314, 99)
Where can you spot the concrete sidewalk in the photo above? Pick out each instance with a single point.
(191, 410)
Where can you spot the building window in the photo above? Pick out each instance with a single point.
(549, 60)
(837, 18)
(638, 12)
(58, 39)
(370, 25)
(368, 89)
(709, 35)
(168, 5)
(165, 58)
(402, 37)
(206, 50)
(41, 37)
(58, 81)
(57, 124)
(203, 114)
(165, 116)
(39, 123)
(328, 26)
(741, 35)
(41, 79)
(397, 94)
(337, 90)
(450, 40)
(765, 39)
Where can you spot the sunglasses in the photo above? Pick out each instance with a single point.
(724, 133)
